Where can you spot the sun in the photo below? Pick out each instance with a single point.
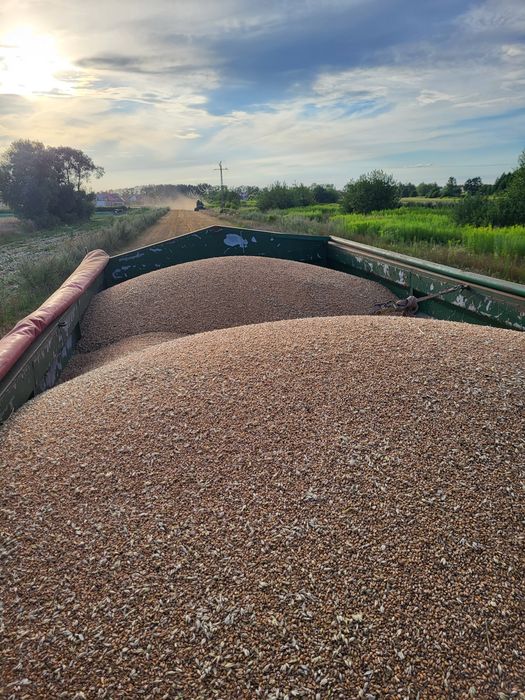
(30, 64)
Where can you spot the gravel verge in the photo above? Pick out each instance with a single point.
(316, 508)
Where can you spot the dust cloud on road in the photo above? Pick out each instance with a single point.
(177, 222)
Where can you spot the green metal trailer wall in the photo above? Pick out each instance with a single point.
(484, 300)
(481, 299)
(214, 242)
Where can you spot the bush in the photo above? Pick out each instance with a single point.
(111, 210)
(505, 209)
(374, 191)
(324, 194)
(280, 196)
(407, 189)
(224, 198)
(231, 199)
(428, 189)
(474, 209)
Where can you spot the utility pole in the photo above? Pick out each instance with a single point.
(221, 168)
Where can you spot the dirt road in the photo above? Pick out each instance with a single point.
(176, 222)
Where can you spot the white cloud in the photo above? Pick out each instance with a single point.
(135, 93)
(513, 51)
(428, 97)
(494, 17)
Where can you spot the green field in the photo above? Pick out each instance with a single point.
(428, 233)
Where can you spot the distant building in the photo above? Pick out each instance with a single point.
(109, 199)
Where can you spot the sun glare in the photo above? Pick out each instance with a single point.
(30, 64)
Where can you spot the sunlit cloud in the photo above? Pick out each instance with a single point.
(30, 64)
(299, 90)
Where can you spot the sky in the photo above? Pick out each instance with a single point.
(296, 90)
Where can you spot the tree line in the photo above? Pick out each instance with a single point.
(279, 195)
(500, 204)
(48, 185)
(374, 188)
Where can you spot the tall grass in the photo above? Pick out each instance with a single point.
(505, 242)
(424, 233)
(36, 280)
(403, 225)
(11, 229)
(436, 227)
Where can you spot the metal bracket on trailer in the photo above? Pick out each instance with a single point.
(410, 305)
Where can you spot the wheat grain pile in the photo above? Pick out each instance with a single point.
(86, 361)
(315, 508)
(220, 293)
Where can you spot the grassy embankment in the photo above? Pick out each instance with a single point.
(56, 252)
(428, 233)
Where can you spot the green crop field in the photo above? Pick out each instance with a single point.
(425, 232)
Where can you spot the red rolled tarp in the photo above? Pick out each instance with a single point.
(18, 340)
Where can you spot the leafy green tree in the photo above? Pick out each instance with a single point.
(407, 189)
(474, 210)
(73, 167)
(324, 194)
(302, 195)
(225, 197)
(46, 185)
(371, 192)
(428, 189)
(514, 195)
(501, 183)
(247, 191)
(281, 196)
(473, 185)
(277, 196)
(231, 199)
(506, 208)
(26, 182)
(451, 189)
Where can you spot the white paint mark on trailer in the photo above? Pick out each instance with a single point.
(402, 277)
(233, 239)
(138, 254)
